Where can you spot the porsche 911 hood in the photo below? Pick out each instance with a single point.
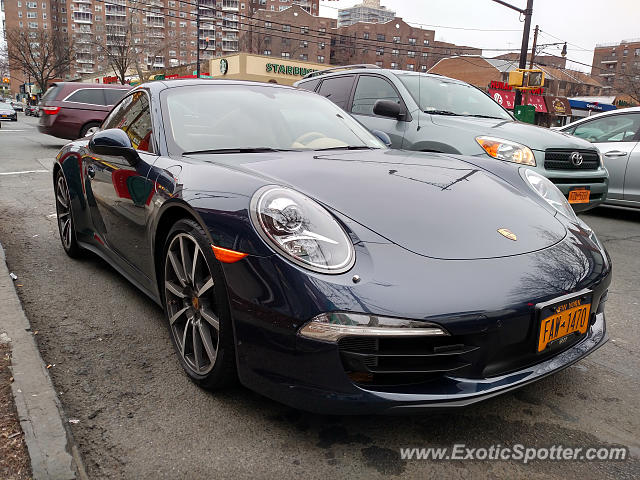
(433, 205)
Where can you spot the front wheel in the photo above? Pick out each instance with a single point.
(196, 307)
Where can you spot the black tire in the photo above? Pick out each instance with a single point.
(64, 215)
(201, 296)
(85, 129)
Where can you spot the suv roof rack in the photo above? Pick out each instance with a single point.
(334, 69)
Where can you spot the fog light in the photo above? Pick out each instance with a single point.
(331, 327)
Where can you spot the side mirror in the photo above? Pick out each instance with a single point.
(114, 142)
(383, 137)
(387, 108)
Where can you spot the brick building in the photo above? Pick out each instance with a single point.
(310, 6)
(481, 72)
(368, 11)
(549, 60)
(393, 44)
(291, 34)
(617, 65)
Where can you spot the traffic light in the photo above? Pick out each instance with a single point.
(525, 79)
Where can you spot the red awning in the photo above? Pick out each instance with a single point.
(503, 97)
(535, 100)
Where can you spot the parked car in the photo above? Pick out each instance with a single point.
(291, 248)
(17, 106)
(8, 113)
(617, 135)
(74, 110)
(438, 114)
(32, 111)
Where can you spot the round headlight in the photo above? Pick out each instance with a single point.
(547, 190)
(302, 230)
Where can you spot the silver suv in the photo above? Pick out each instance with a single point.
(433, 113)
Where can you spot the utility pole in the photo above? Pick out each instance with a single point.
(524, 48)
(533, 49)
(198, 41)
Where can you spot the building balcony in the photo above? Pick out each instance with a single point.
(84, 60)
(86, 2)
(85, 71)
(155, 34)
(155, 3)
(607, 74)
(230, 6)
(230, 26)
(229, 46)
(609, 61)
(155, 25)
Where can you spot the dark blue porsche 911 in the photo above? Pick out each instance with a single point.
(290, 249)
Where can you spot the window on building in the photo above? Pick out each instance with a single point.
(267, 52)
(320, 58)
(412, 41)
(396, 39)
(380, 51)
(365, 35)
(624, 52)
(32, 5)
(394, 65)
(426, 41)
(323, 29)
(304, 29)
(369, 90)
(411, 54)
(395, 52)
(286, 28)
(267, 24)
(423, 68)
(304, 44)
(286, 55)
(31, 14)
(379, 63)
(380, 37)
(304, 56)
(410, 67)
(321, 46)
(425, 54)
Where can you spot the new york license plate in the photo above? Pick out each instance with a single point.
(579, 195)
(562, 321)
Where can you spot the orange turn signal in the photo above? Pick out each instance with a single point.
(227, 256)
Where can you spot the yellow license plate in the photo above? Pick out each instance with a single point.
(567, 318)
(579, 195)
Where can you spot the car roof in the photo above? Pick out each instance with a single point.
(384, 71)
(90, 85)
(609, 113)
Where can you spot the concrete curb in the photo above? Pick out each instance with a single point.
(53, 452)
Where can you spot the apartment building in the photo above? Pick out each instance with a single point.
(368, 11)
(617, 64)
(393, 44)
(292, 33)
(312, 7)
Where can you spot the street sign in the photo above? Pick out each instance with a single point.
(526, 79)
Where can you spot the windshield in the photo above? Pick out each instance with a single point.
(239, 118)
(442, 96)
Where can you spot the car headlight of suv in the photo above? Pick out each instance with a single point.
(506, 150)
(547, 190)
(302, 230)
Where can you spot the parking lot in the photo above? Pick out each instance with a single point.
(139, 416)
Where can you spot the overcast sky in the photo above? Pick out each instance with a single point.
(583, 23)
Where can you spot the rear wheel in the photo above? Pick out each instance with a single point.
(196, 306)
(66, 227)
(89, 129)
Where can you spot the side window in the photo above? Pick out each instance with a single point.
(613, 128)
(369, 90)
(309, 85)
(134, 117)
(113, 95)
(93, 96)
(337, 89)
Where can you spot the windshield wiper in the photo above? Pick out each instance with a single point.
(237, 150)
(442, 112)
(346, 147)
(486, 116)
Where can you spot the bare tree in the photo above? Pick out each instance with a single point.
(630, 82)
(119, 49)
(43, 54)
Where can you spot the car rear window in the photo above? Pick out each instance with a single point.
(337, 89)
(309, 85)
(50, 94)
(93, 96)
(113, 95)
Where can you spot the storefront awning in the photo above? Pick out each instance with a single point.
(595, 106)
(559, 106)
(503, 97)
(507, 99)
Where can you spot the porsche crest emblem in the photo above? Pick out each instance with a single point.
(505, 232)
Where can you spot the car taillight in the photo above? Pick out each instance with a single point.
(50, 110)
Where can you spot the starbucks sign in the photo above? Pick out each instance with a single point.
(289, 69)
(224, 66)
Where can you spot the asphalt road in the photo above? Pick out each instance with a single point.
(140, 417)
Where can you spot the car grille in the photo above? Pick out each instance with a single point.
(398, 361)
(555, 159)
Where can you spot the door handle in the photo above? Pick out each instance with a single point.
(91, 171)
(615, 153)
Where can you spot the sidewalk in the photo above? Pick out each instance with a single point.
(47, 434)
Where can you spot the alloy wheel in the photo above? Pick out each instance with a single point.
(190, 303)
(63, 210)
(91, 131)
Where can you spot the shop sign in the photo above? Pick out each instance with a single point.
(503, 98)
(505, 86)
(535, 100)
(288, 69)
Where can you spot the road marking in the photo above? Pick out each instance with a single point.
(5, 130)
(24, 171)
